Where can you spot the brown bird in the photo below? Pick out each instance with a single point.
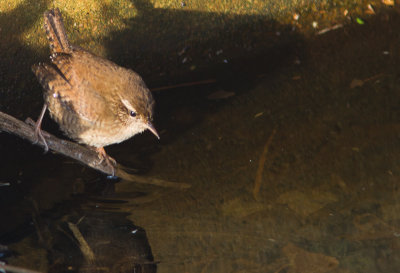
(95, 101)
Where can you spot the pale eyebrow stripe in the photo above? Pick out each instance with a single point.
(128, 105)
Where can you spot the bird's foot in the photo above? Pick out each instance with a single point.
(39, 134)
(103, 156)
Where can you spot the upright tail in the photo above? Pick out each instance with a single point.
(54, 26)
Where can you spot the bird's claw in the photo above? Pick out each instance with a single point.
(38, 134)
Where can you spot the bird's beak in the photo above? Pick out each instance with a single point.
(152, 129)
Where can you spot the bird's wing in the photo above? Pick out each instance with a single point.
(73, 93)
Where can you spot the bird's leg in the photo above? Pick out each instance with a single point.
(37, 125)
(109, 160)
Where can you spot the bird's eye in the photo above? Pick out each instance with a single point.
(132, 113)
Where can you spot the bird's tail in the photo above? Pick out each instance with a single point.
(54, 26)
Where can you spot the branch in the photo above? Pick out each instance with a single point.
(78, 152)
(186, 84)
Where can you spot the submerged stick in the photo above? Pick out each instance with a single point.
(15, 269)
(260, 169)
(83, 154)
(83, 245)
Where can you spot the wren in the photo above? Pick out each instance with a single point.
(94, 101)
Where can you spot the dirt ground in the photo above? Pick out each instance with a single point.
(292, 157)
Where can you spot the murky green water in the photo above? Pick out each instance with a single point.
(320, 114)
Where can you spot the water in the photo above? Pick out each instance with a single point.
(321, 114)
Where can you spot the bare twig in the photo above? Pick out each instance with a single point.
(187, 84)
(150, 180)
(78, 152)
(325, 30)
